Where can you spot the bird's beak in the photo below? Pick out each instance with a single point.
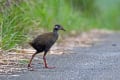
(63, 29)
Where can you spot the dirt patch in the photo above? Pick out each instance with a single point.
(12, 62)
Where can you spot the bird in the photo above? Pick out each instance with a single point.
(43, 43)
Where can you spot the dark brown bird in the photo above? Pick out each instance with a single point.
(44, 42)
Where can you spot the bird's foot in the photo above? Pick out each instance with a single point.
(50, 67)
(30, 68)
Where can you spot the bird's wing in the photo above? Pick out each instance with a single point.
(44, 38)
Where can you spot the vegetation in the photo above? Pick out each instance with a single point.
(19, 18)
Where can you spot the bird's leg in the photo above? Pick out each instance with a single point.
(45, 62)
(29, 64)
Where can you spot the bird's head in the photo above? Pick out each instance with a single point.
(59, 27)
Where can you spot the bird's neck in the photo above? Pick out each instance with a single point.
(55, 31)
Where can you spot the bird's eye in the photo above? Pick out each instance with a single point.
(56, 26)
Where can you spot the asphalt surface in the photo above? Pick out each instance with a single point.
(99, 62)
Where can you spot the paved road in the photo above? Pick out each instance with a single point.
(99, 62)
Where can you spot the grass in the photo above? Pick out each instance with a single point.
(111, 20)
(18, 20)
(13, 27)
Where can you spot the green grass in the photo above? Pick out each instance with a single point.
(18, 20)
(14, 25)
(111, 19)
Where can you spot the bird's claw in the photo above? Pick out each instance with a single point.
(30, 68)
